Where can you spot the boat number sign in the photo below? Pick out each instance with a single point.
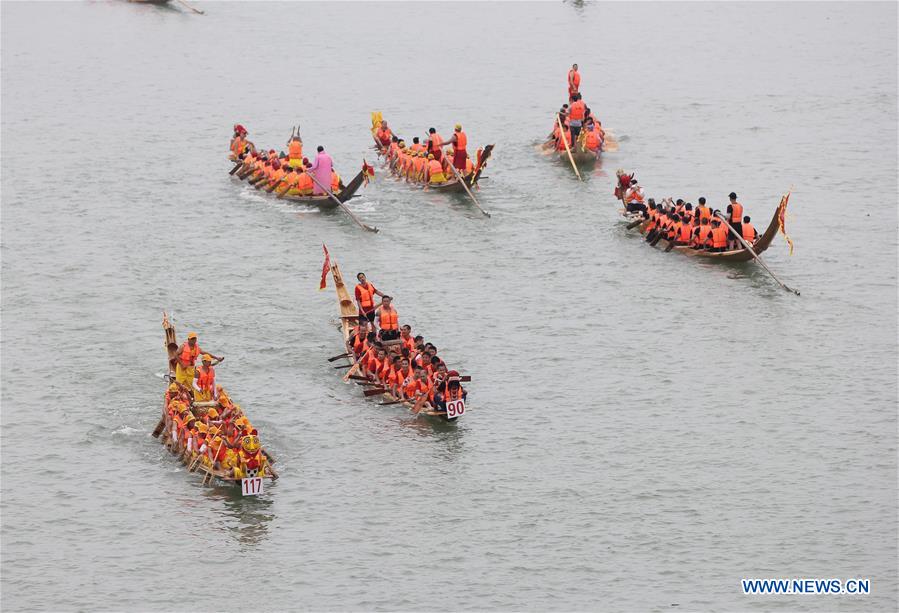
(455, 408)
(251, 486)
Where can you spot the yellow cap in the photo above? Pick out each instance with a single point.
(173, 387)
(191, 335)
(202, 427)
(430, 156)
(212, 413)
(459, 127)
(207, 357)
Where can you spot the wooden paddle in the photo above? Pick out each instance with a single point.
(386, 404)
(342, 366)
(352, 371)
(419, 404)
(374, 392)
(360, 378)
(634, 224)
(757, 257)
(236, 168)
(465, 185)
(198, 11)
(567, 149)
(340, 204)
(337, 357)
(159, 427)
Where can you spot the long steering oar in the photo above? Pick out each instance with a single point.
(337, 200)
(198, 11)
(567, 148)
(757, 257)
(465, 185)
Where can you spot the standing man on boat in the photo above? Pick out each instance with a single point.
(295, 151)
(434, 143)
(634, 198)
(365, 298)
(388, 320)
(574, 82)
(322, 167)
(459, 141)
(735, 219)
(187, 358)
(576, 114)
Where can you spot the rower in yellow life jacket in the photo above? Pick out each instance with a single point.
(435, 171)
(295, 152)
(205, 376)
(188, 353)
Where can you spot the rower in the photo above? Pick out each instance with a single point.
(383, 135)
(435, 170)
(717, 237)
(388, 320)
(451, 390)
(295, 152)
(205, 377)
(406, 337)
(416, 145)
(750, 234)
(593, 140)
(576, 114)
(574, 82)
(704, 212)
(735, 218)
(365, 298)
(458, 141)
(187, 357)
(634, 198)
(434, 142)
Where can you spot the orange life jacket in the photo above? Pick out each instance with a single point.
(635, 195)
(461, 141)
(389, 319)
(577, 111)
(366, 295)
(295, 150)
(237, 146)
(719, 237)
(574, 80)
(335, 181)
(384, 136)
(684, 233)
(304, 182)
(704, 212)
(434, 142)
(592, 140)
(736, 212)
(189, 356)
(450, 395)
(434, 167)
(748, 232)
(206, 378)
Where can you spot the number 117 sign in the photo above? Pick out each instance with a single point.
(251, 486)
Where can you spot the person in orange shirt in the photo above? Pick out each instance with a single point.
(205, 380)
(384, 134)
(434, 143)
(750, 234)
(365, 297)
(406, 337)
(574, 82)
(576, 114)
(388, 319)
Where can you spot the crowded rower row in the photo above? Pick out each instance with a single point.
(424, 161)
(678, 222)
(387, 353)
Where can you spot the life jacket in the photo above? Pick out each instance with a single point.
(358, 344)
(187, 355)
(592, 141)
(448, 393)
(434, 142)
(577, 111)
(295, 150)
(469, 167)
(335, 181)
(384, 136)
(561, 146)
(684, 233)
(435, 167)
(237, 146)
(704, 212)
(635, 195)
(736, 212)
(389, 319)
(748, 232)
(206, 378)
(719, 237)
(366, 295)
(461, 141)
(574, 80)
(304, 182)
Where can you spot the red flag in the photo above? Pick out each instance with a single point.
(368, 172)
(782, 219)
(325, 268)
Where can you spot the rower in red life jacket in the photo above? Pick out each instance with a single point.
(383, 134)
(365, 298)
(205, 380)
(458, 141)
(434, 143)
(735, 219)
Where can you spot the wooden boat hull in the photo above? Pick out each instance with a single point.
(325, 202)
(737, 255)
(348, 313)
(581, 158)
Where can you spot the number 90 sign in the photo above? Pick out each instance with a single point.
(251, 486)
(455, 408)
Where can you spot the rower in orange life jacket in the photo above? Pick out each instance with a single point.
(295, 152)
(458, 141)
(365, 298)
(383, 134)
(735, 219)
(451, 390)
(704, 212)
(388, 319)
(205, 376)
(435, 170)
(750, 234)
(634, 198)
(574, 82)
(576, 113)
(717, 236)
(434, 142)
(187, 356)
